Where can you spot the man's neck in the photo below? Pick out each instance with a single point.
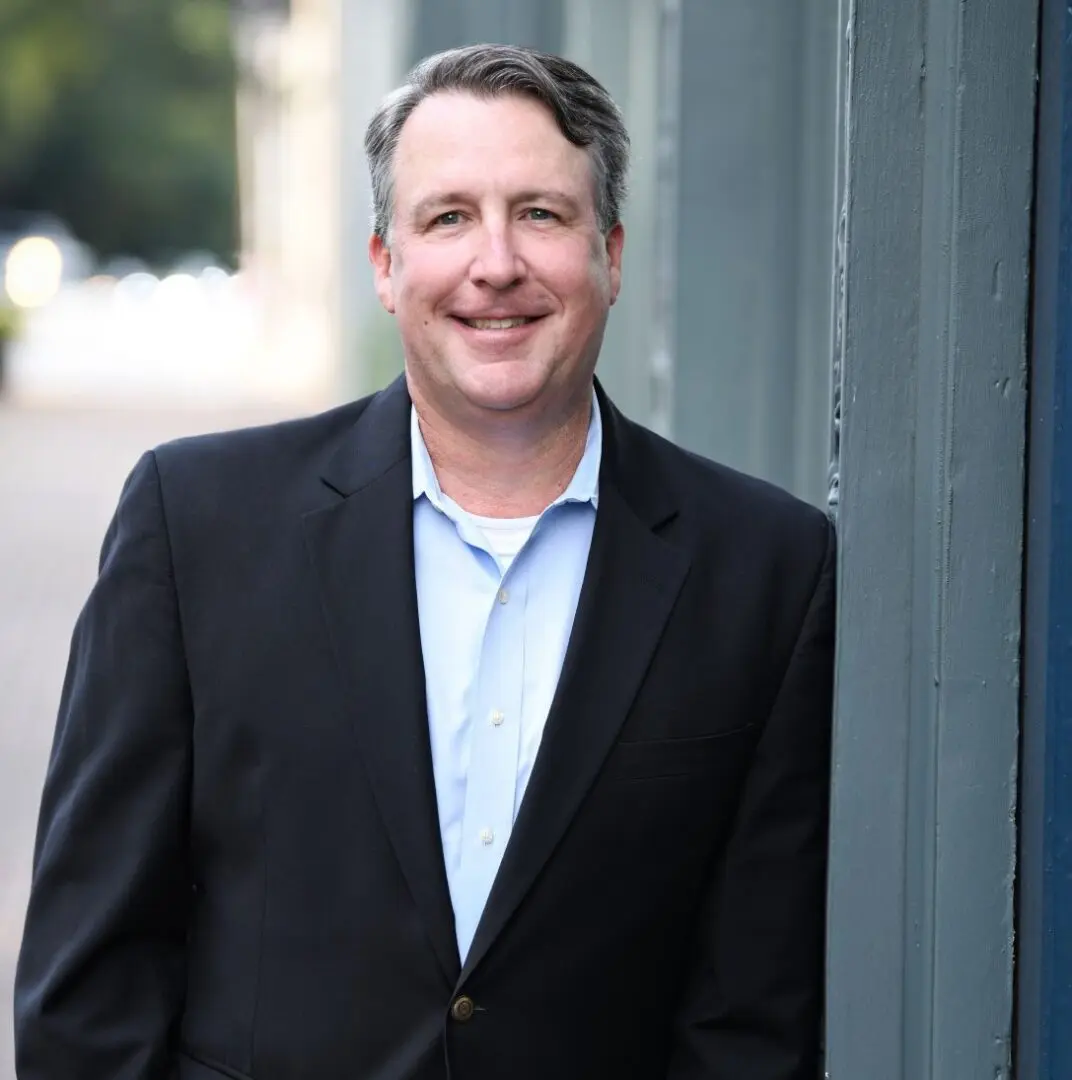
(505, 471)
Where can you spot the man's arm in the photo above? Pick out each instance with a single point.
(100, 981)
(753, 1008)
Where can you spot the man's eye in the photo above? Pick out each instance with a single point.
(450, 217)
(538, 213)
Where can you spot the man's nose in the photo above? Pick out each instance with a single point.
(498, 262)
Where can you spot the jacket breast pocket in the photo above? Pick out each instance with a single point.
(667, 759)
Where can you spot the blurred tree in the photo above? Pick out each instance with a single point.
(118, 116)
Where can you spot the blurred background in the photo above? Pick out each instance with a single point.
(183, 226)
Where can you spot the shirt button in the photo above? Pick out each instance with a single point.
(486, 837)
(504, 596)
(497, 718)
(462, 1010)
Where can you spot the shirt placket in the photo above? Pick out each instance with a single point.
(494, 746)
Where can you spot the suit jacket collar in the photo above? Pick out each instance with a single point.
(361, 548)
(380, 439)
(377, 442)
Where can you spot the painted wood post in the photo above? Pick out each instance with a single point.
(936, 167)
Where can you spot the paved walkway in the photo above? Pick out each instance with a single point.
(60, 475)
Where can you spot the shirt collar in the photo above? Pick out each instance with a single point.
(583, 488)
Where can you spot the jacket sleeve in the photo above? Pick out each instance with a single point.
(753, 1006)
(100, 979)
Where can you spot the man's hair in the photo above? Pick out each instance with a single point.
(584, 111)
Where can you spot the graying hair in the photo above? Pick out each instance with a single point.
(584, 111)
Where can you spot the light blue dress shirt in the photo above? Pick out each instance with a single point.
(494, 632)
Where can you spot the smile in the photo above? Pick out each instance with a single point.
(499, 324)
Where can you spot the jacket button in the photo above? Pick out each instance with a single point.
(462, 1010)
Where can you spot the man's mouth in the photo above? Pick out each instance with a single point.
(499, 324)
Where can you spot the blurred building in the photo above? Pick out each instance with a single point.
(288, 129)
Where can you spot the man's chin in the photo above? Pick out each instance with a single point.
(503, 403)
(504, 392)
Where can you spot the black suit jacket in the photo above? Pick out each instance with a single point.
(238, 870)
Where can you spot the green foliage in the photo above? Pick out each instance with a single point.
(118, 115)
(10, 323)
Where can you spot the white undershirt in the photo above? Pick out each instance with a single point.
(505, 536)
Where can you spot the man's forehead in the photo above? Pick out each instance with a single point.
(454, 145)
(452, 122)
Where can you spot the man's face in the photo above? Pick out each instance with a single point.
(497, 270)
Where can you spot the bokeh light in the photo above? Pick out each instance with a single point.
(33, 271)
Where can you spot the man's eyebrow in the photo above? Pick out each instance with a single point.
(429, 203)
(538, 195)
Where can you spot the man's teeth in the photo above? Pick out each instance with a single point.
(496, 324)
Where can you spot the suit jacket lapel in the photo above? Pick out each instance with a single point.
(631, 583)
(361, 547)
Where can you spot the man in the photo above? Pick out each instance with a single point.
(469, 730)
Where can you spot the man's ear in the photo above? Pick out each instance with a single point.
(380, 257)
(615, 246)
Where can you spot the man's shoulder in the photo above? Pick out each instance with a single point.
(251, 479)
(712, 493)
(291, 442)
